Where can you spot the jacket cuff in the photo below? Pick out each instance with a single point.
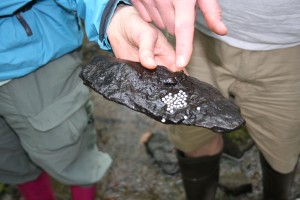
(105, 21)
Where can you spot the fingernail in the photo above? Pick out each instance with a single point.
(180, 62)
(151, 62)
(222, 29)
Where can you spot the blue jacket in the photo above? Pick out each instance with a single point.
(32, 33)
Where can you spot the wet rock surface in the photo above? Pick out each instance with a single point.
(169, 97)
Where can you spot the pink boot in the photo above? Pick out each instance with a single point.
(83, 193)
(38, 189)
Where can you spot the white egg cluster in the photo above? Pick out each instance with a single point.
(176, 101)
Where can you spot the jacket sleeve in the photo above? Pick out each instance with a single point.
(97, 15)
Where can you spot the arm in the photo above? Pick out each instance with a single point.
(178, 17)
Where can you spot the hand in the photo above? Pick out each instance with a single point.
(134, 39)
(178, 17)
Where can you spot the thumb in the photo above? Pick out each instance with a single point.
(212, 15)
(146, 45)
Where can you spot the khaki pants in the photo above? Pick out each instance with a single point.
(264, 84)
(46, 124)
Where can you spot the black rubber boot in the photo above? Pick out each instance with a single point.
(200, 176)
(276, 186)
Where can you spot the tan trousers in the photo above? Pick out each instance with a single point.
(266, 86)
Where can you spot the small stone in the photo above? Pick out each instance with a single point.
(163, 120)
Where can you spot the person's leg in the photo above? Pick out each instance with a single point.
(54, 122)
(265, 85)
(201, 148)
(37, 189)
(276, 185)
(269, 96)
(200, 169)
(16, 167)
(83, 192)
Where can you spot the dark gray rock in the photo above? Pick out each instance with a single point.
(235, 184)
(169, 97)
(163, 153)
(236, 143)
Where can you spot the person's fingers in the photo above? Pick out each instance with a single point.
(153, 13)
(155, 50)
(167, 13)
(123, 34)
(132, 41)
(212, 15)
(141, 9)
(139, 41)
(146, 44)
(122, 49)
(184, 30)
(125, 53)
(164, 53)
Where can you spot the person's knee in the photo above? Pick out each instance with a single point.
(214, 146)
